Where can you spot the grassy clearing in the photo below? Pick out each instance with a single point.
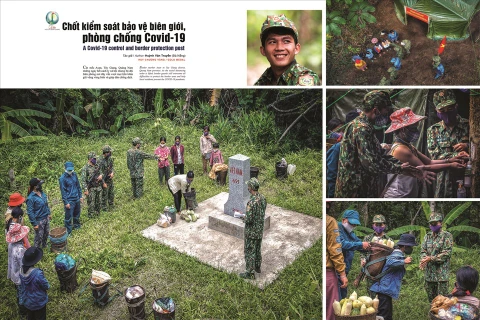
(413, 302)
(113, 243)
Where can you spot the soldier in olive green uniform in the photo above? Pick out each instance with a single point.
(379, 225)
(280, 45)
(407, 44)
(92, 181)
(254, 223)
(135, 159)
(106, 167)
(447, 139)
(361, 156)
(435, 257)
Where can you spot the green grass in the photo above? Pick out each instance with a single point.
(413, 302)
(113, 242)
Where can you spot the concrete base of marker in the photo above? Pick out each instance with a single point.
(230, 225)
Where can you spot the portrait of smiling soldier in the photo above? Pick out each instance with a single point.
(280, 45)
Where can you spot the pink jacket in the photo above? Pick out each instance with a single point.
(163, 154)
(216, 157)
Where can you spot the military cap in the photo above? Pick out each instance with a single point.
(443, 98)
(436, 61)
(106, 149)
(253, 184)
(375, 99)
(136, 141)
(91, 155)
(379, 219)
(435, 217)
(278, 21)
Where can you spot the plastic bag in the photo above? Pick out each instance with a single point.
(164, 221)
(99, 277)
(291, 169)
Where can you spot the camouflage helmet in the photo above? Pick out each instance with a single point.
(253, 184)
(376, 99)
(91, 155)
(436, 61)
(443, 98)
(136, 141)
(434, 216)
(278, 21)
(106, 149)
(379, 219)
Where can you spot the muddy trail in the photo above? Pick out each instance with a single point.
(461, 59)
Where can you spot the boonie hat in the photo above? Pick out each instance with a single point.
(32, 256)
(15, 199)
(443, 98)
(352, 216)
(403, 118)
(407, 239)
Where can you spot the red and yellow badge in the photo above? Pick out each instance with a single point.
(306, 80)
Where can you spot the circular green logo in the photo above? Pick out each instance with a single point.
(52, 17)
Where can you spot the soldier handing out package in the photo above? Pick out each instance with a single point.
(254, 223)
(92, 183)
(135, 158)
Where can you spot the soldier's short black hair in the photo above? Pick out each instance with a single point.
(278, 30)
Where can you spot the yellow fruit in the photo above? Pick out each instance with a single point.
(353, 296)
(337, 308)
(367, 300)
(357, 304)
(370, 310)
(363, 310)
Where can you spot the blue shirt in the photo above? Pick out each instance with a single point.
(332, 168)
(33, 289)
(391, 282)
(70, 188)
(350, 242)
(37, 207)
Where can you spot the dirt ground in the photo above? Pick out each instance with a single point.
(461, 59)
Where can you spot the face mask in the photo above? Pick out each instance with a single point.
(107, 155)
(378, 229)
(449, 117)
(162, 145)
(408, 250)
(205, 134)
(409, 135)
(39, 188)
(189, 181)
(177, 143)
(436, 229)
(347, 226)
(93, 161)
(215, 150)
(69, 172)
(381, 120)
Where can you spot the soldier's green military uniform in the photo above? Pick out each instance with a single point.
(368, 238)
(393, 73)
(407, 44)
(440, 142)
(361, 157)
(254, 223)
(135, 159)
(436, 60)
(296, 74)
(439, 248)
(399, 50)
(89, 182)
(106, 167)
(385, 82)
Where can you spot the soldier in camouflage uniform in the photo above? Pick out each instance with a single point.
(435, 257)
(393, 73)
(106, 167)
(254, 223)
(379, 226)
(92, 182)
(135, 159)
(447, 139)
(399, 50)
(280, 45)
(361, 156)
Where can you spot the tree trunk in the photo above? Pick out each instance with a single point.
(474, 143)
(188, 97)
(365, 214)
(432, 206)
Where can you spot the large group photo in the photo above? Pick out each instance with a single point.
(161, 203)
(402, 260)
(402, 143)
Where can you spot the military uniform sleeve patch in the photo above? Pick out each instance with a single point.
(306, 80)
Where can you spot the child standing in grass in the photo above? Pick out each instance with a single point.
(388, 286)
(163, 166)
